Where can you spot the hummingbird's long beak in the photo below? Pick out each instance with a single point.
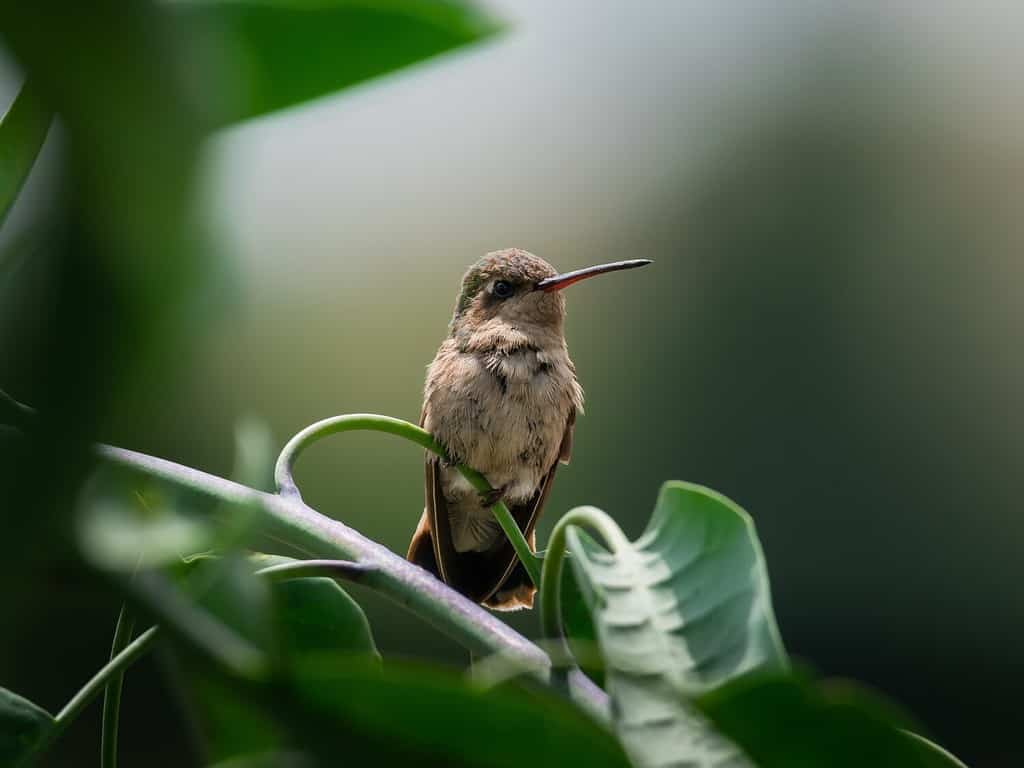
(558, 282)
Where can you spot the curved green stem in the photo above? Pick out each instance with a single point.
(551, 577)
(112, 694)
(99, 681)
(352, 422)
(307, 569)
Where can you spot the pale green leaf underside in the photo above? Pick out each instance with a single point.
(682, 609)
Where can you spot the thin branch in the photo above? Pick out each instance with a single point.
(112, 694)
(99, 681)
(306, 569)
(283, 471)
(290, 519)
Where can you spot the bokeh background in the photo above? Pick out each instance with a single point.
(831, 334)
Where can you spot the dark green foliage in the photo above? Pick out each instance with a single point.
(23, 726)
(431, 717)
(281, 671)
(316, 614)
(790, 721)
(277, 54)
(22, 132)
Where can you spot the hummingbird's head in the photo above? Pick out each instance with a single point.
(516, 292)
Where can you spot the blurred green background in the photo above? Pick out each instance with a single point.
(830, 334)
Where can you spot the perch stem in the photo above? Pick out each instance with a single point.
(283, 472)
(287, 517)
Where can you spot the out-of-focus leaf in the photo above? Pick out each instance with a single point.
(127, 522)
(231, 723)
(23, 725)
(254, 455)
(268, 760)
(119, 289)
(681, 610)
(285, 619)
(788, 721)
(23, 130)
(227, 588)
(329, 704)
(429, 717)
(316, 614)
(273, 54)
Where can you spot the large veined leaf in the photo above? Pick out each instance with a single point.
(790, 721)
(273, 54)
(681, 610)
(23, 725)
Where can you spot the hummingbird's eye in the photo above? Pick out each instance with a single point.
(502, 289)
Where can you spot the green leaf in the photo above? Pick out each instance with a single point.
(789, 721)
(23, 726)
(316, 614)
(278, 53)
(231, 722)
(126, 522)
(268, 759)
(228, 589)
(681, 610)
(427, 716)
(23, 130)
(289, 619)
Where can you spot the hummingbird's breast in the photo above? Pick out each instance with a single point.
(502, 410)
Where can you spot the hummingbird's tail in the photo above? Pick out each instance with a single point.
(515, 593)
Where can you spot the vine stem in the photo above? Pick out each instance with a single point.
(98, 682)
(112, 693)
(286, 517)
(369, 421)
(551, 579)
(307, 569)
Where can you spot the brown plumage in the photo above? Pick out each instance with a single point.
(501, 396)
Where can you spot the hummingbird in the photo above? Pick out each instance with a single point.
(501, 396)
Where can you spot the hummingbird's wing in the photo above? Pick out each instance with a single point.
(514, 589)
(495, 577)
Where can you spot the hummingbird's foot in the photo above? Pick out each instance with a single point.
(493, 496)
